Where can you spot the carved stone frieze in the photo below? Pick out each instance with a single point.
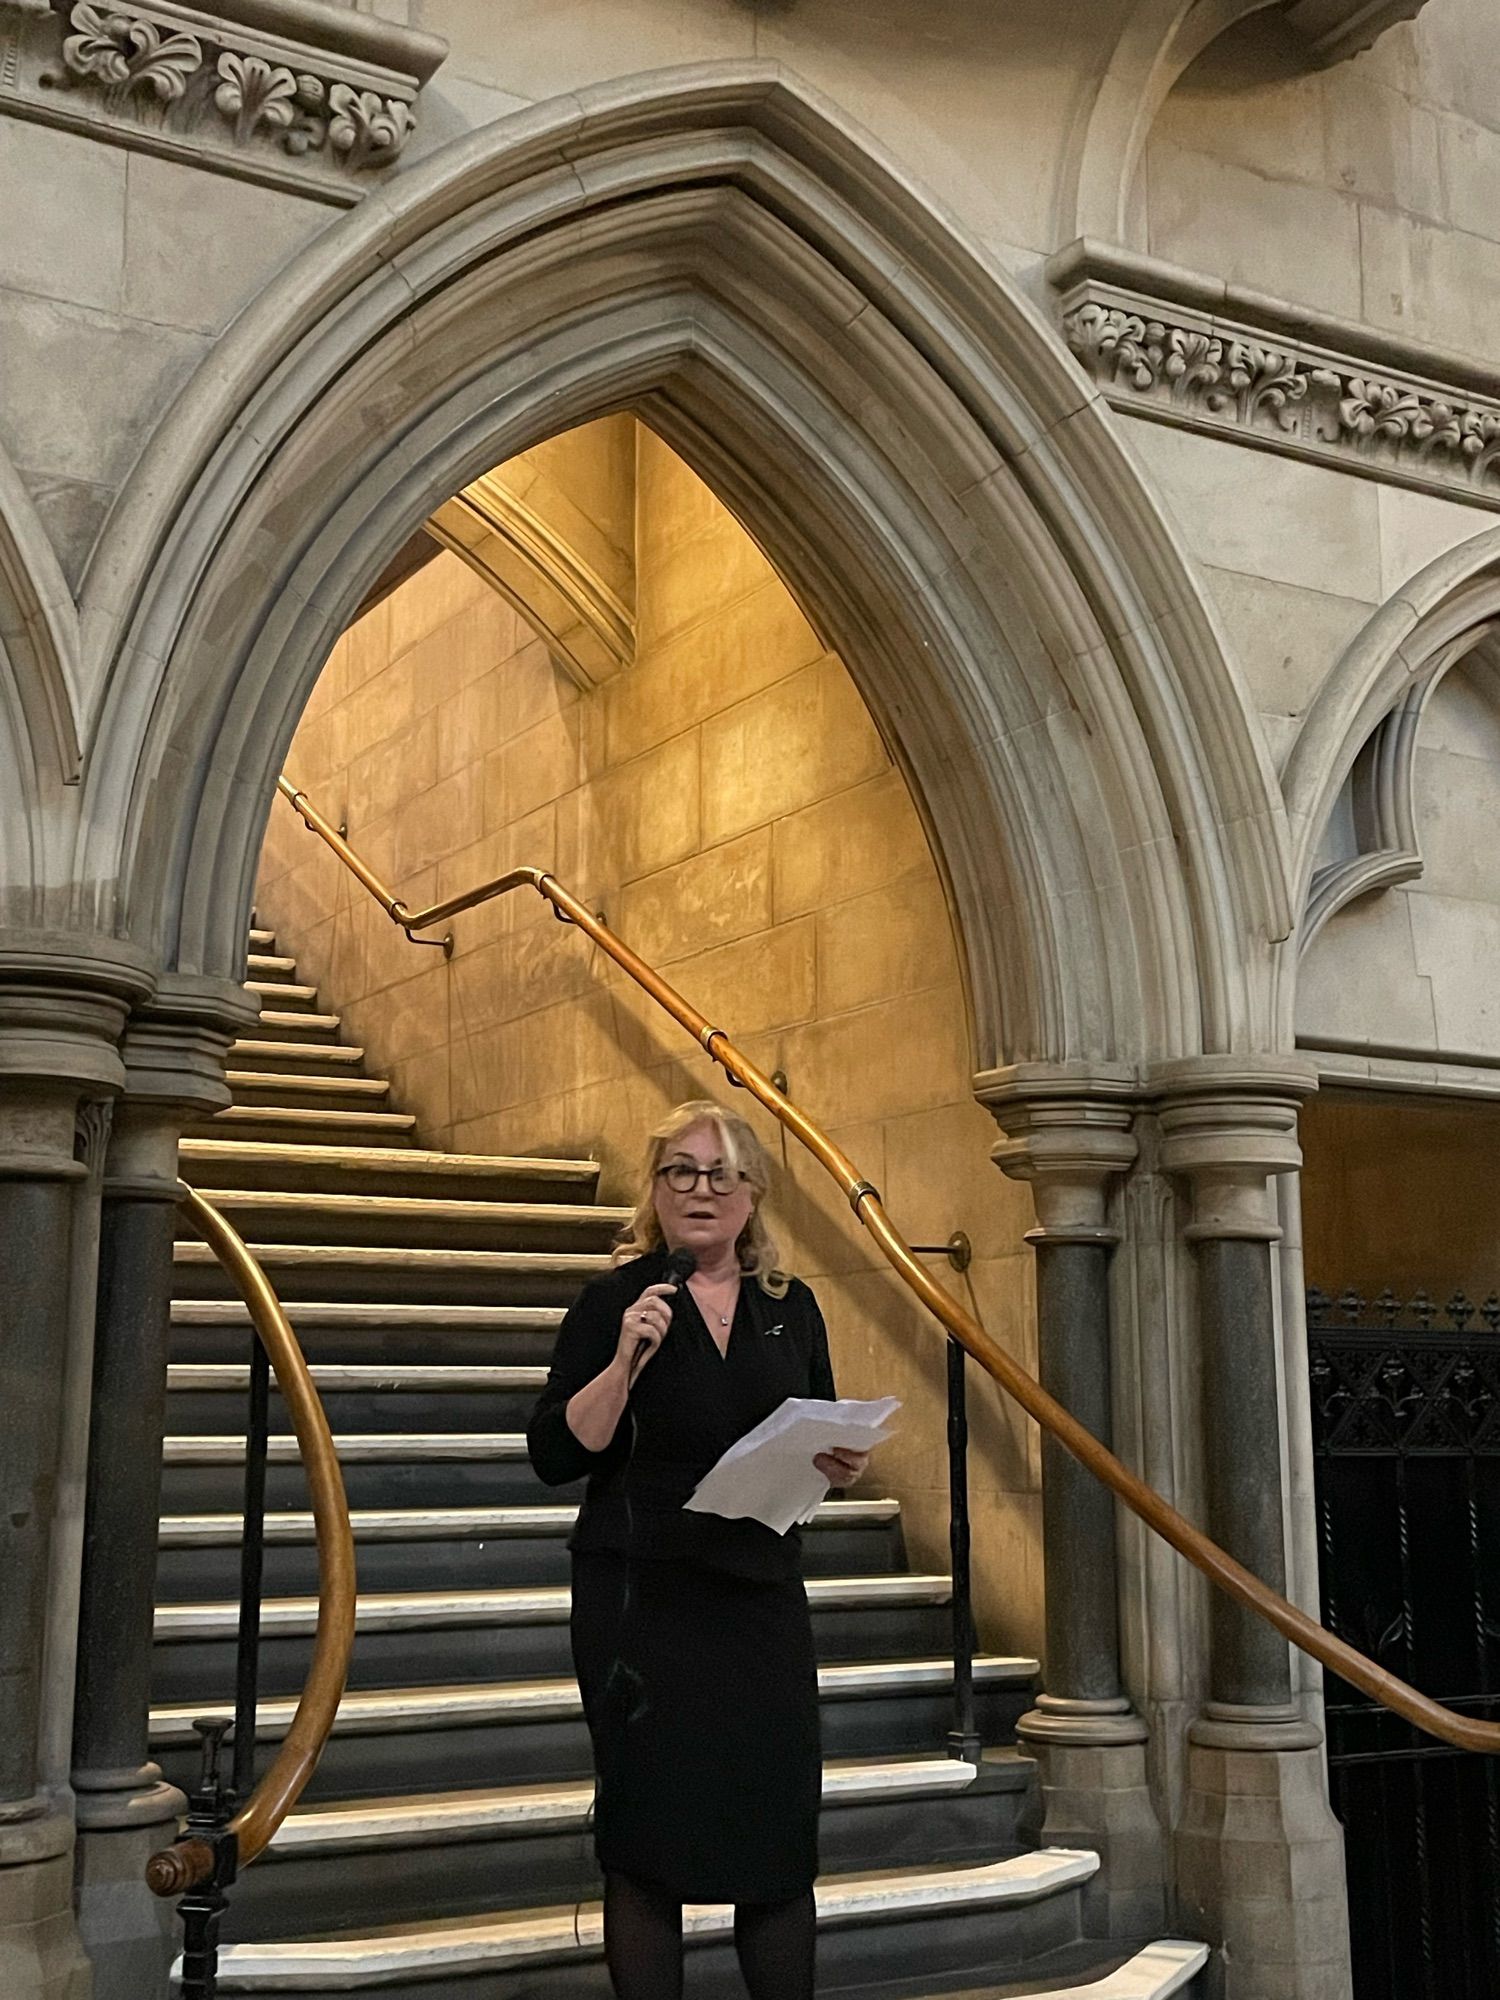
(1272, 375)
(283, 91)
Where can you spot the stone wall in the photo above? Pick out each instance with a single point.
(1370, 190)
(729, 804)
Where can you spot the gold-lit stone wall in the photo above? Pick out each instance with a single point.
(727, 801)
(1404, 1193)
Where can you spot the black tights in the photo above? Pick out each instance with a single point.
(643, 1943)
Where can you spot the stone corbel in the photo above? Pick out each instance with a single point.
(291, 92)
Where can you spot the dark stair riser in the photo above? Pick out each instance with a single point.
(394, 1175)
(303, 1092)
(516, 1753)
(872, 1959)
(380, 1284)
(384, 1229)
(274, 1131)
(453, 1347)
(382, 1886)
(218, 1489)
(302, 1030)
(221, 1413)
(203, 1669)
(199, 1575)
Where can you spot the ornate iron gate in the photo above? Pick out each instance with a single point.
(1406, 1428)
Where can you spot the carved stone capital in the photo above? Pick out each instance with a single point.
(1068, 1134)
(174, 1051)
(294, 93)
(1228, 1127)
(64, 1001)
(1181, 347)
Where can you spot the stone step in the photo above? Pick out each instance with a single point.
(483, 1547)
(283, 996)
(396, 1222)
(262, 1086)
(429, 1524)
(367, 1272)
(362, 1332)
(212, 1397)
(292, 1057)
(428, 1637)
(270, 1121)
(290, 1167)
(422, 1611)
(408, 1859)
(261, 940)
(423, 1739)
(355, 1448)
(392, 1711)
(301, 1026)
(884, 1924)
(266, 965)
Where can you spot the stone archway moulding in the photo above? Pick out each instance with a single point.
(39, 701)
(899, 429)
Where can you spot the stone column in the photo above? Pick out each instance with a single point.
(1259, 1854)
(1070, 1138)
(63, 1004)
(174, 1073)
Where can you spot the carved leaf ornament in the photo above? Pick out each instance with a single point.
(1313, 404)
(133, 57)
(366, 128)
(254, 92)
(129, 54)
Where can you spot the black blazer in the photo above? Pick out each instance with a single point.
(689, 1404)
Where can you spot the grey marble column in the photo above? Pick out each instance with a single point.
(174, 1054)
(63, 1004)
(1259, 1853)
(1070, 1139)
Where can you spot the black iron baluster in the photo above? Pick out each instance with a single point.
(210, 1810)
(252, 1564)
(963, 1737)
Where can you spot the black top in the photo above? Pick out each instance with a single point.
(690, 1403)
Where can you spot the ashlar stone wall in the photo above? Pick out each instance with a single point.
(728, 802)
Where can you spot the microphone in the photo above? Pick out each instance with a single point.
(680, 1267)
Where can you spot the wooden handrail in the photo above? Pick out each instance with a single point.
(178, 1868)
(1463, 1731)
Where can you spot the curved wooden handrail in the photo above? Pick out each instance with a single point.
(1463, 1731)
(178, 1868)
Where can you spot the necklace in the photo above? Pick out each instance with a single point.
(724, 1318)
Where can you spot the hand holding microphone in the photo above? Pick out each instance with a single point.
(645, 1324)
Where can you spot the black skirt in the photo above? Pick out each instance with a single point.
(700, 1689)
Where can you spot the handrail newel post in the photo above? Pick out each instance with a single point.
(1070, 1138)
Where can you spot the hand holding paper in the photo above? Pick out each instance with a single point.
(769, 1475)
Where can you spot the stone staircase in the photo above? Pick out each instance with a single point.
(442, 1850)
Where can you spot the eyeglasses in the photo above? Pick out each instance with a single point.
(682, 1177)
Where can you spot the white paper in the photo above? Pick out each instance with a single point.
(769, 1475)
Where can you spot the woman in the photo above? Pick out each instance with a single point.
(691, 1634)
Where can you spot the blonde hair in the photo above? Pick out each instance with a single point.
(743, 1151)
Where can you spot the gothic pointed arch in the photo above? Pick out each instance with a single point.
(892, 421)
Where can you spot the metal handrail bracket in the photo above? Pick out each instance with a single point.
(1222, 1569)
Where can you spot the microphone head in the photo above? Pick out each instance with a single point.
(681, 1265)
